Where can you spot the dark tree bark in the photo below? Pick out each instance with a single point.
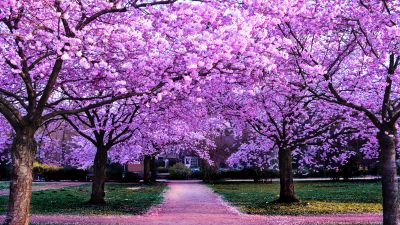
(387, 144)
(23, 155)
(256, 175)
(153, 169)
(287, 193)
(146, 169)
(99, 176)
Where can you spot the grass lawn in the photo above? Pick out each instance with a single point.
(6, 184)
(121, 199)
(316, 197)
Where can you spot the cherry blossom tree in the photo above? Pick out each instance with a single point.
(105, 127)
(253, 154)
(347, 54)
(288, 120)
(44, 45)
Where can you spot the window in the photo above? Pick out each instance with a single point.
(191, 162)
(194, 162)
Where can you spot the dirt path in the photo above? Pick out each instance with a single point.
(191, 203)
(46, 186)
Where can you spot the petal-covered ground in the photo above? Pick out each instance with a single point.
(192, 203)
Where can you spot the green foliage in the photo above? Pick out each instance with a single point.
(40, 166)
(5, 171)
(114, 172)
(179, 172)
(57, 173)
(210, 174)
(316, 197)
(162, 170)
(130, 177)
(121, 199)
(248, 173)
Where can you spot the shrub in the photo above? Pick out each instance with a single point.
(57, 173)
(179, 172)
(162, 170)
(197, 175)
(210, 173)
(4, 171)
(247, 173)
(130, 177)
(114, 172)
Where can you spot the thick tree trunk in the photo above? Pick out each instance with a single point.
(153, 169)
(146, 169)
(387, 144)
(22, 155)
(99, 176)
(287, 193)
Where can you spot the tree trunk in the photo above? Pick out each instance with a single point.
(153, 168)
(146, 169)
(99, 176)
(22, 155)
(287, 194)
(256, 175)
(387, 144)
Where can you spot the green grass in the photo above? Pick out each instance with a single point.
(316, 197)
(73, 200)
(6, 184)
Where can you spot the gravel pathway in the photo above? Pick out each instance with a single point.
(192, 203)
(46, 186)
